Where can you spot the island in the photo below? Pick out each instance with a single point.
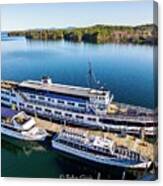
(99, 34)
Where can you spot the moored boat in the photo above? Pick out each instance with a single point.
(98, 149)
(20, 126)
(74, 105)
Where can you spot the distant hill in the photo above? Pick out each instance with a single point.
(142, 34)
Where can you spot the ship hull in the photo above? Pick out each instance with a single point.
(18, 135)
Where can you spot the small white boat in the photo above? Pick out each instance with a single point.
(21, 126)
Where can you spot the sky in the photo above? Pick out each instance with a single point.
(63, 15)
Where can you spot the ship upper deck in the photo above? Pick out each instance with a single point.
(8, 84)
(63, 89)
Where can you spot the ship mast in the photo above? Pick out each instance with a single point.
(91, 76)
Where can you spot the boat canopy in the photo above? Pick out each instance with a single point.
(7, 112)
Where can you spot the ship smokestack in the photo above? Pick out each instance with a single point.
(46, 80)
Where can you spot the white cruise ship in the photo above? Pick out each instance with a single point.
(20, 126)
(74, 105)
(99, 150)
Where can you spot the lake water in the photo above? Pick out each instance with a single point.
(126, 70)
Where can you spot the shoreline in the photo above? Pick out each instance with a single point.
(97, 34)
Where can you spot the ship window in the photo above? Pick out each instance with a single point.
(81, 105)
(153, 124)
(47, 110)
(58, 113)
(101, 98)
(38, 108)
(32, 96)
(4, 92)
(100, 108)
(92, 119)
(7, 93)
(68, 115)
(49, 99)
(105, 121)
(5, 99)
(79, 117)
(21, 104)
(71, 103)
(41, 98)
(29, 106)
(60, 101)
(13, 95)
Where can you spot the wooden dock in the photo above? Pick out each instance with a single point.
(143, 147)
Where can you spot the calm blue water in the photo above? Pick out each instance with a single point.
(126, 70)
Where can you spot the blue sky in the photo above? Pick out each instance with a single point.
(60, 15)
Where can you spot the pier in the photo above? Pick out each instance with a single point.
(138, 145)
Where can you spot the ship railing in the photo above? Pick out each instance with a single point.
(128, 106)
(75, 132)
(92, 154)
(68, 120)
(72, 135)
(85, 111)
(58, 106)
(131, 118)
(71, 140)
(83, 143)
(131, 115)
(124, 153)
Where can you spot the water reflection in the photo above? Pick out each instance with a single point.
(18, 147)
(61, 166)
